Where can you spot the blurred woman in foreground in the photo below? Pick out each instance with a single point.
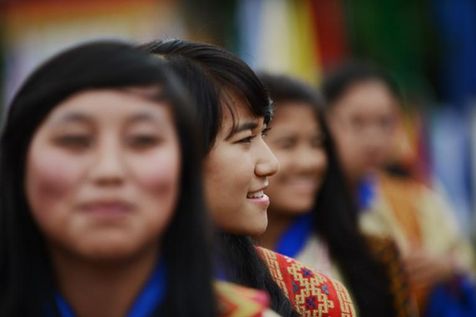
(101, 209)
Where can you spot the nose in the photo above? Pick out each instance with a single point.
(267, 164)
(108, 167)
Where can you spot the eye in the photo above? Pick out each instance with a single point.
(248, 139)
(357, 123)
(265, 132)
(143, 141)
(286, 143)
(317, 142)
(74, 141)
(386, 123)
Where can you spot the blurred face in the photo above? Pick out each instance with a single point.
(102, 174)
(297, 141)
(363, 122)
(236, 174)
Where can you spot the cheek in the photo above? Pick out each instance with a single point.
(157, 175)
(286, 164)
(323, 162)
(50, 178)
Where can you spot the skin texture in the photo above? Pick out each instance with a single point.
(296, 140)
(364, 124)
(238, 166)
(102, 180)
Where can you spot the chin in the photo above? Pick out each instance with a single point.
(110, 250)
(257, 228)
(296, 208)
(111, 253)
(250, 228)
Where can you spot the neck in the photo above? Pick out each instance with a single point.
(278, 223)
(102, 289)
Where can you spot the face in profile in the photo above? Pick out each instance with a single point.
(364, 124)
(297, 141)
(236, 174)
(102, 174)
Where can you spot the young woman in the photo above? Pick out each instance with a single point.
(311, 216)
(363, 113)
(233, 110)
(101, 212)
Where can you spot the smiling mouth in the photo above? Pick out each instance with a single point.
(255, 195)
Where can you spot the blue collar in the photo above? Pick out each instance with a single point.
(366, 192)
(293, 240)
(151, 296)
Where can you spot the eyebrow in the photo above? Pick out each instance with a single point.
(242, 127)
(79, 117)
(144, 117)
(73, 117)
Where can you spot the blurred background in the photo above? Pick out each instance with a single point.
(428, 45)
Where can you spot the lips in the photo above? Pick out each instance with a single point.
(107, 207)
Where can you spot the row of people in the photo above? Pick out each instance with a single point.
(390, 239)
(102, 160)
(102, 210)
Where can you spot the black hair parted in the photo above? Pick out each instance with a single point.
(339, 80)
(26, 274)
(335, 211)
(213, 75)
(283, 88)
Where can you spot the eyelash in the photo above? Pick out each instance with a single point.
(74, 141)
(143, 141)
(265, 132)
(249, 139)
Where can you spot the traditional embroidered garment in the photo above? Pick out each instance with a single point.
(386, 252)
(415, 218)
(233, 300)
(311, 293)
(315, 254)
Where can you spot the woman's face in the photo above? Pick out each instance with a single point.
(364, 124)
(297, 141)
(102, 174)
(236, 174)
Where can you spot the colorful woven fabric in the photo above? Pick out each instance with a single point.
(312, 294)
(239, 301)
(386, 252)
(416, 218)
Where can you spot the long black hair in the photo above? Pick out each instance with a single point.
(211, 73)
(335, 219)
(26, 274)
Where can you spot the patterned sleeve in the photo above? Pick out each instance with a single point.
(311, 293)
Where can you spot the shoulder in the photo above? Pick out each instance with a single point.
(310, 292)
(239, 301)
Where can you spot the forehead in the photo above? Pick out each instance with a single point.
(107, 105)
(295, 116)
(235, 111)
(368, 97)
